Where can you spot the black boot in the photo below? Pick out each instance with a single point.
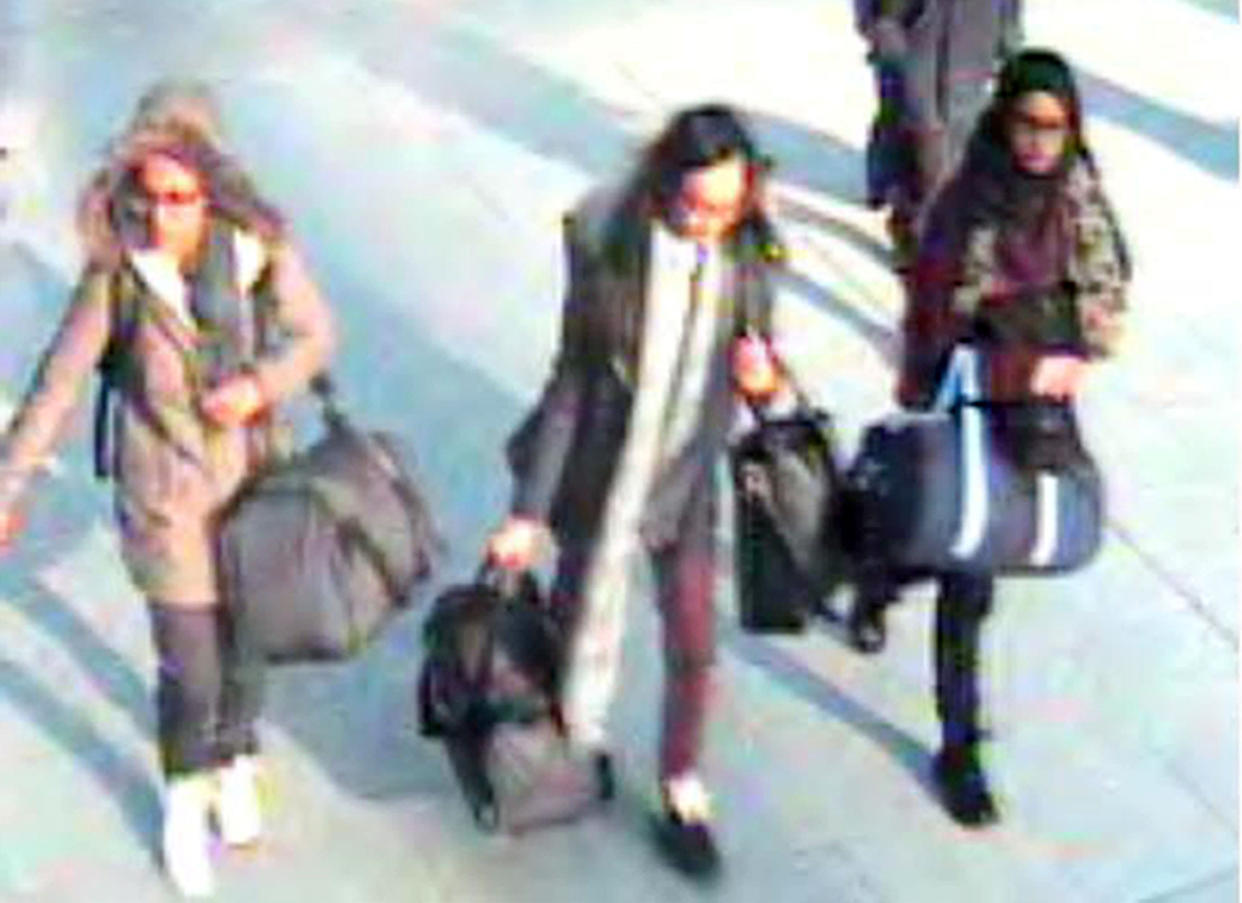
(605, 780)
(963, 787)
(876, 590)
(866, 624)
(963, 603)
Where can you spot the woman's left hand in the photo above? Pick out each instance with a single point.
(1058, 376)
(234, 402)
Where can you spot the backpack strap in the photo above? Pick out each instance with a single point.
(122, 323)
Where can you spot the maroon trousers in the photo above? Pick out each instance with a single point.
(685, 578)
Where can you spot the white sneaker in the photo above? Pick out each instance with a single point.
(687, 796)
(187, 836)
(238, 812)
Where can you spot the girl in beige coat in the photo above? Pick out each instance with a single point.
(206, 318)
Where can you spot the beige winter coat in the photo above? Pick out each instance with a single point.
(173, 470)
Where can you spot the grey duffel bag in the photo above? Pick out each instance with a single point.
(319, 552)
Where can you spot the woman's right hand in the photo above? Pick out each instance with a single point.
(11, 523)
(516, 544)
(1058, 376)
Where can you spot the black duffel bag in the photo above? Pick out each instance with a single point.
(319, 551)
(488, 689)
(978, 487)
(787, 553)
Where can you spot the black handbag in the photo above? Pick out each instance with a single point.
(319, 551)
(787, 553)
(488, 689)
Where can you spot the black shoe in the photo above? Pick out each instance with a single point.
(688, 846)
(605, 780)
(866, 627)
(962, 786)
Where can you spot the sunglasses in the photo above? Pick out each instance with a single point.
(173, 197)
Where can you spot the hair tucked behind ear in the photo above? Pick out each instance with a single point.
(695, 138)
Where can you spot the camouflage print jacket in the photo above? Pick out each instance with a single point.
(974, 282)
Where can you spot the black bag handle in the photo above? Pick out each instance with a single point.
(803, 403)
(323, 387)
(336, 420)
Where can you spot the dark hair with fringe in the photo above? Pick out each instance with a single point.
(695, 138)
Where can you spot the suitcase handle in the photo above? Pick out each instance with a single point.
(504, 581)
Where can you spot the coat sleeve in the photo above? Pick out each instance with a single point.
(1100, 269)
(307, 323)
(932, 323)
(68, 362)
(538, 450)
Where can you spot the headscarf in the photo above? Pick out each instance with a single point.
(999, 189)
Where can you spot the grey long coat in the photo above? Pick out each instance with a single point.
(564, 456)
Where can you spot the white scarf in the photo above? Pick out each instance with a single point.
(677, 329)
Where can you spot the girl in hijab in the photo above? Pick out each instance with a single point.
(1023, 257)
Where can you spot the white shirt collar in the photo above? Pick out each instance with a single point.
(162, 276)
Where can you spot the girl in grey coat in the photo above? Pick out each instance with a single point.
(188, 277)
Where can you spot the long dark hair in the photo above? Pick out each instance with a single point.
(695, 138)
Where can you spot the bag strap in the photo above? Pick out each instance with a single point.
(960, 382)
(122, 325)
(350, 524)
(336, 420)
(959, 392)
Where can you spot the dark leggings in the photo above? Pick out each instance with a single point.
(209, 688)
(962, 603)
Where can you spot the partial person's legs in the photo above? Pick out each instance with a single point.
(685, 581)
(876, 588)
(885, 158)
(963, 602)
(565, 601)
(188, 692)
(238, 807)
(924, 86)
(244, 682)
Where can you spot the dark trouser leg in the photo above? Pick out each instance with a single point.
(685, 580)
(887, 156)
(244, 674)
(188, 687)
(565, 595)
(924, 85)
(876, 588)
(963, 602)
(960, 609)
